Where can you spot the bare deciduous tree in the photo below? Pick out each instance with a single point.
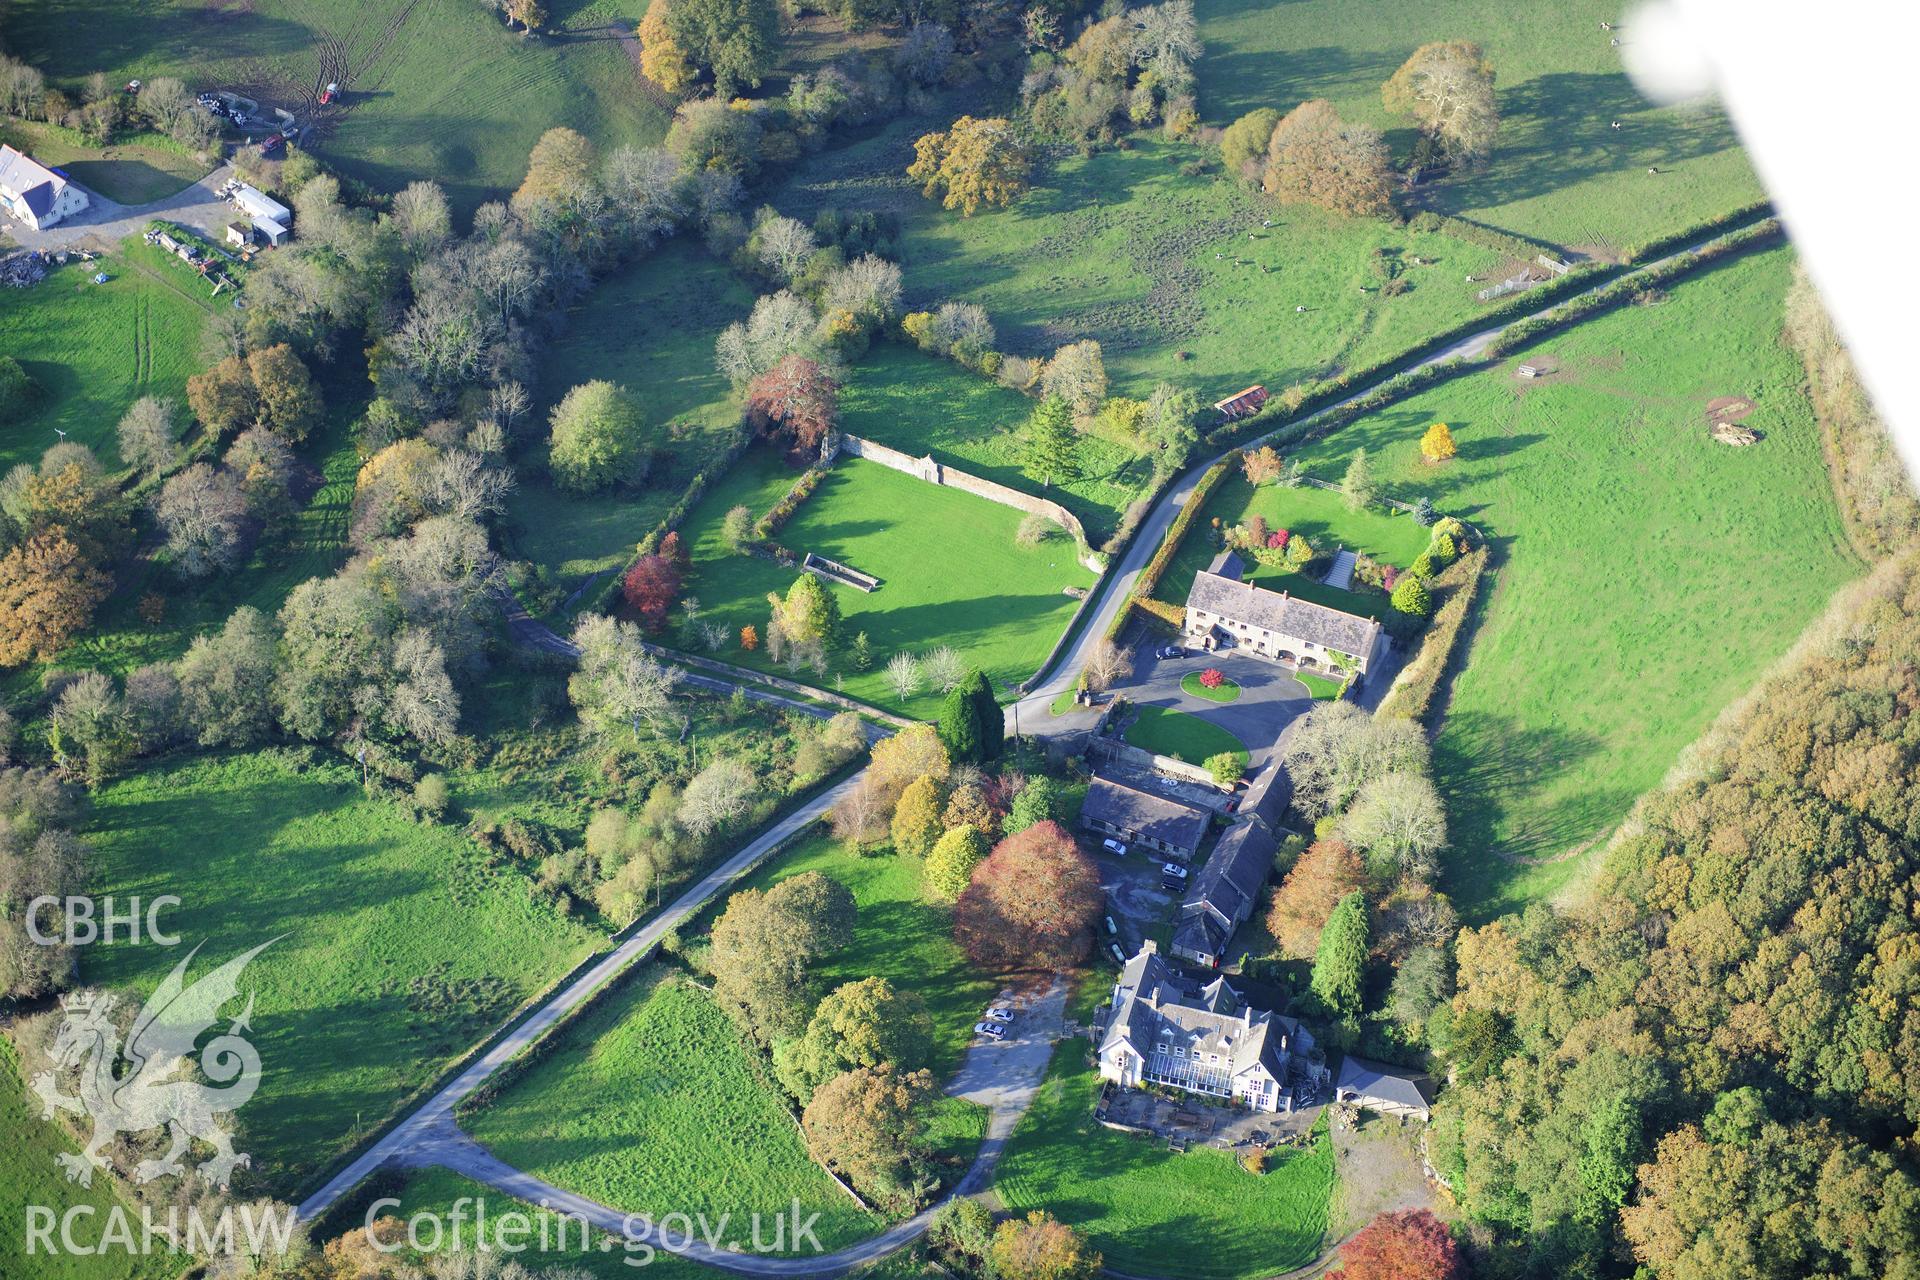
(717, 795)
(618, 685)
(460, 484)
(903, 673)
(944, 668)
(1107, 665)
(204, 513)
(150, 435)
(785, 244)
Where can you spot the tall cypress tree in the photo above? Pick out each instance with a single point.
(970, 725)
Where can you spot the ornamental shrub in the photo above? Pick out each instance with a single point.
(1411, 596)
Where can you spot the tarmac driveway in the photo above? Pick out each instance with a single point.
(1270, 698)
(104, 223)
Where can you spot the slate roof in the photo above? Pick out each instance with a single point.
(1228, 565)
(1131, 809)
(1229, 884)
(1153, 1003)
(1281, 613)
(36, 185)
(1388, 1084)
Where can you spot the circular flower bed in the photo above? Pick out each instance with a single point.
(1211, 684)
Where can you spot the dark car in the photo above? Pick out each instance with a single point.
(1170, 651)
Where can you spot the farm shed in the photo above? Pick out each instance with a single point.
(239, 234)
(1241, 403)
(257, 205)
(271, 230)
(1392, 1091)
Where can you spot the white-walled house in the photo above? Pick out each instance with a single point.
(1166, 1029)
(34, 194)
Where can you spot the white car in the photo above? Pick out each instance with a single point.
(999, 1013)
(1114, 847)
(1172, 871)
(991, 1030)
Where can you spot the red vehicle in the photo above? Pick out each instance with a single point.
(272, 144)
(332, 91)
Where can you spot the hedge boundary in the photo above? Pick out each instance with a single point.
(1411, 695)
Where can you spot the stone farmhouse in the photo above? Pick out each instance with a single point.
(1166, 1029)
(1225, 613)
(35, 194)
(1225, 893)
(1125, 812)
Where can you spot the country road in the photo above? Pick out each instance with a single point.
(429, 1118)
(429, 1135)
(1116, 588)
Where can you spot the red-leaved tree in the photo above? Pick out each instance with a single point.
(795, 399)
(651, 587)
(1213, 677)
(1278, 539)
(675, 550)
(1409, 1245)
(1032, 904)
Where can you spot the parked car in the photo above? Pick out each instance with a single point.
(1111, 926)
(273, 143)
(1114, 847)
(991, 1030)
(999, 1013)
(1119, 956)
(1173, 875)
(1170, 651)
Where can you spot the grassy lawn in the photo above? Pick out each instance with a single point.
(651, 328)
(1646, 574)
(951, 574)
(921, 404)
(1225, 691)
(901, 937)
(139, 170)
(1187, 737)
(388, 925)
(1121, 247)
(94, 350)
(1192, 1215)
(1559, 172)
(1321, 688)
(1319, 516)
(33, 1178)
(441, 91)
(630, 1106)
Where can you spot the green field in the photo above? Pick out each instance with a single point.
(950, 573)
(1558, 171)
(1319, 516)
(438, 90)
(1645, 574)
(1192, 1215)
(651, 328)
(120, 639)
(1121, 247)
(921, 404)
(94, 349)
(381, 924)
(650, 1103)
(139, 170)
(901, 937)
(1176, 733)
(33, 1178)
